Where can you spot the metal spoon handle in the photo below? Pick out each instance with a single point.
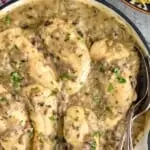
(143, 107)
(126, 137)
(129, 144)
(135, 111)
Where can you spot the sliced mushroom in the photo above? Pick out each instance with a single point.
(79, 127)
(64, 43)
(43, 113)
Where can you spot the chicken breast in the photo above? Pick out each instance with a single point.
(64, 43)
(15, 128)
(108, 50)
(43, 105)
(115, 79)
(80, 126)
(38, 69)
(119, 95)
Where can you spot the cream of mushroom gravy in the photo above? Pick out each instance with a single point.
(66, 69)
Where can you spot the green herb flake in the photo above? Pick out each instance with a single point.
(3, 99)
(35, 89)
(93, 145)
(101, 68)
(121, 80)
(96, 99)
(65, 76)
(52, 118)
(8, 20)
(54, 92)
(97, 134)
(110, 87)
(116, 70)
(41, 137)
(16, 79)
(21, 121)
(30, 133)
(80, 39)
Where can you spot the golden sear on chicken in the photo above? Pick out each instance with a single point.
(68, 76)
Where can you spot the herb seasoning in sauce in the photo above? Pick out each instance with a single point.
(70, 64)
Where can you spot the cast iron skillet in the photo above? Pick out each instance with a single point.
(114, 9)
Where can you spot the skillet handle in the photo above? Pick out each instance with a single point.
(5, 3)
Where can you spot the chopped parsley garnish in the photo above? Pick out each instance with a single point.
(8, 20)
(65, 76)
(41, 138)
(54, 92)
(97, 133)
(80, 39)
(116, 70)
(3, 99)
(93, 145)
(96, 99)
(16, 79)
(110, 87)
(30, 132)
(21, 121)
(121, 80)
(35, 89)
(101, 68)
(52, 118)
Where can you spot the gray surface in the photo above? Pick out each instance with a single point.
(141, 20)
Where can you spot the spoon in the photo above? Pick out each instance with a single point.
(138, 109)
(140, 105)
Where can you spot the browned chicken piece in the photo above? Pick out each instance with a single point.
(71, 50)
(38, 69)
(118, 97)
(108, 50)
(115, 83)
(42, 102)
(15, 129)
(43, 113)
(81, 128)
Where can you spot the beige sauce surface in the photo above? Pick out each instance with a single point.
(67, 77)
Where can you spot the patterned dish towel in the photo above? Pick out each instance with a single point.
(141, 5)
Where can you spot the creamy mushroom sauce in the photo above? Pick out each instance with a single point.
(67, 76)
